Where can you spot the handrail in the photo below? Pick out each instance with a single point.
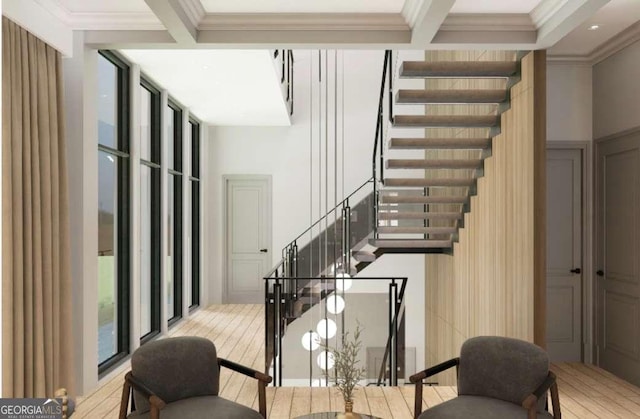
(275, 269)
(329, 212)
(378, 136)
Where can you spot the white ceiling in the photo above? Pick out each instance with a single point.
(613, 18)
(221, 87)
(494, 6)
(303, 6)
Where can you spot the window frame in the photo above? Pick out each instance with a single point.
(175, 169)
(123, 257)
(194, 183)
(155, 164)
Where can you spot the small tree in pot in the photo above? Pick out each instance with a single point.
(347, 372)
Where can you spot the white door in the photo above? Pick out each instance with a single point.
(618, 247)
(248, 237)
(564, 255)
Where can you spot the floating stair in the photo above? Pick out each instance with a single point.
(446, 121)
(416, 230)
(419, 215)
(429, 183)
(458, 69)
(434, 164)
(417, 199)
(459, 96)
(439, 143)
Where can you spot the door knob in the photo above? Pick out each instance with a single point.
(600, 272)
(575, 271)
(263, 250)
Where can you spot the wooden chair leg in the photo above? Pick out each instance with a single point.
(155, 412)
(555, 401)
(417, 404)
(124, 401)
(262, 398)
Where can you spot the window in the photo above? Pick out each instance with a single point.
(113, 210)
(150, 222)
(194, 182)
(174, 220)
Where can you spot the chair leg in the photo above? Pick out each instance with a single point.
(155, 412)
(417, 404)
(124, 401)
(262, 398)
(555, 401)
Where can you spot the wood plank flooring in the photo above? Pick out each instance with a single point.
(586, 391)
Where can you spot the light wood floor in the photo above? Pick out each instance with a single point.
(238, 332)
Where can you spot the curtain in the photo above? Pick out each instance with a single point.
(36, 282)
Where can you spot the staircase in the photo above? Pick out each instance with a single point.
(424, 175)
(431, 168)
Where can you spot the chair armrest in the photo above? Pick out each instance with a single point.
(249, 372)
(434, 370)
(531, 401)
(154, 400)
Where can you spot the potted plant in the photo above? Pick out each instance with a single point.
(347, 371)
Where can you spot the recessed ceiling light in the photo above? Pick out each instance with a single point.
(593, 27)
(205, 67)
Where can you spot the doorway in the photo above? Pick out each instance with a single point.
(617, 250)
(247, 237)
(565, 252)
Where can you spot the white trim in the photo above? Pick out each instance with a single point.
(194, 11)
(429, 19)
(177, 21)
(545, 10)
(410, 11)
(566, 19)
(488, 22)
(114, 21)
(303, 22)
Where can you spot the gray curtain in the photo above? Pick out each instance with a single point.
(36, 283)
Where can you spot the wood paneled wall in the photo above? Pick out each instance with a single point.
(494, 283)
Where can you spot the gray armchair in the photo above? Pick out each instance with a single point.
(178, 378)
(497, 378)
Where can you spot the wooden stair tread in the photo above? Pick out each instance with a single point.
(459, 96)
(416, 230)
(410, 243)
(439, 143)
(458, 69)
(421, 182)
(364, 256)
(407, 199)
(446, 121)
(414, 215)
(434, 164)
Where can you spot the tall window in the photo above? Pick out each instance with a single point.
(113, 210)
(150, 222)
(174, 256)
(194, 182)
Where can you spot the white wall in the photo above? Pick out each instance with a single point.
(284, 153)
(569, 102)
(616, 92)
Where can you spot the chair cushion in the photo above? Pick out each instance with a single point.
(478, 408)
(176, 368)
(206, 407)
(501, 368)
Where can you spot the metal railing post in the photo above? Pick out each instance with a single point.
(277, 353)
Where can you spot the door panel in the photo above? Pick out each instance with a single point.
(618, 290)
(564, 253)
(248, 232)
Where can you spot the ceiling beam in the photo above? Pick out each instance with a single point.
(425, 18)
(175, 17)
(565, 19)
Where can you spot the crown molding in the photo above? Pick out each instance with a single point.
(616, 44)
(488, 22)
(115, 21)
(194, 11)
(304, 21)
(545, 11)
(411, 10)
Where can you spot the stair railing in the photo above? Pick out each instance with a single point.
(378, 148)
(286, 74)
